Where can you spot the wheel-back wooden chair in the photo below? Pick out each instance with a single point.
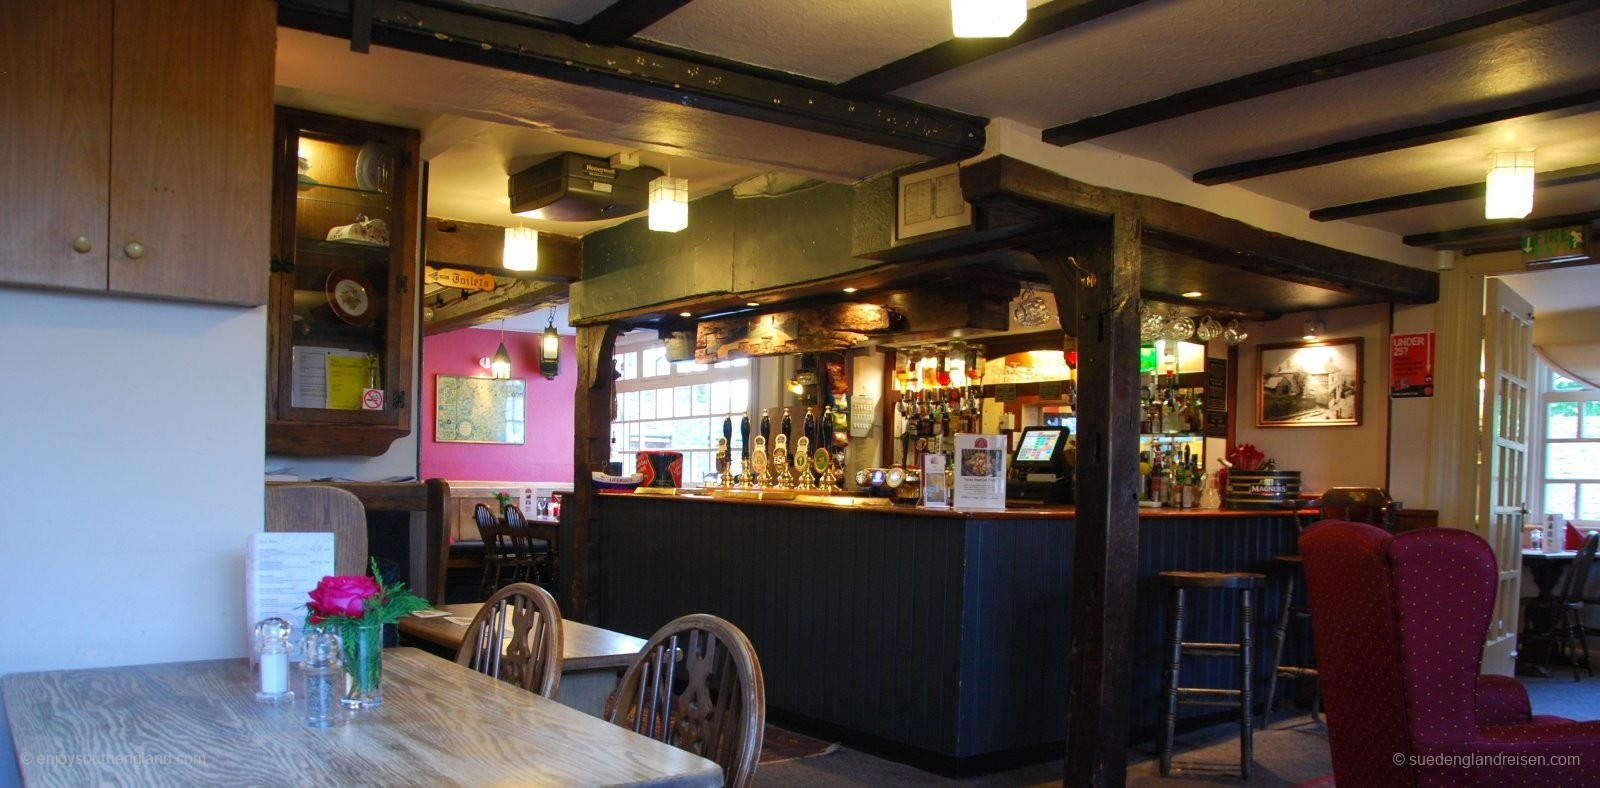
(496, 547)
(527, 551)
(1557, 621)
(311, 508)
(516, 637)
(697, 686)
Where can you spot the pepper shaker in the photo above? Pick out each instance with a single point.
(323, 681)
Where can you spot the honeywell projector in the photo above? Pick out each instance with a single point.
(571, 187)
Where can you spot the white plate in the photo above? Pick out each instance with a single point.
(373, 165)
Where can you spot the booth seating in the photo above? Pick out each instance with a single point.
(1400, 622)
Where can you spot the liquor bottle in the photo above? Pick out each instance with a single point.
(1158, 491)
(1144, 476)
(1169, 406)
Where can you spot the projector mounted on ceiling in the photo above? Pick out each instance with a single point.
(572, 187)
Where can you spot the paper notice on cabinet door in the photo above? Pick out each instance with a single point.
(980, 471)
(322, 376)
(280, 571)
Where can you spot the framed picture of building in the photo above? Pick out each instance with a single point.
(1309, 384)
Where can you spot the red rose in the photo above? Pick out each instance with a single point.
(341, 596)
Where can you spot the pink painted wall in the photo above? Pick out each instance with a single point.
(547, 456)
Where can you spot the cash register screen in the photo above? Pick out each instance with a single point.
(1039, 446)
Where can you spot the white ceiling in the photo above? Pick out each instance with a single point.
(480, 124)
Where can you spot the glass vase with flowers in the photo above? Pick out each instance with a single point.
(356, 608)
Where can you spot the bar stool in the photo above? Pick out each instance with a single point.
(1289, 566)
(1245, 584)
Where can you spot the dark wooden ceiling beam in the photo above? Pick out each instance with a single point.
(1352, 60)
(519, 43)
(1204, 235)
(1466, 236)
(1399, 139)
(1448, 194)
(1052, 17)
(624, 19)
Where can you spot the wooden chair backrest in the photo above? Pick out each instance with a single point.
(697, 686)
(316, 509)
(516, 637)
(1578, 575)
(1368, 505)
(489, 529)
(518, 532)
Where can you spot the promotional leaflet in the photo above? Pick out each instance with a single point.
(980, 472)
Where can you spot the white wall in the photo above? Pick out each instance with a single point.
(130, 463)
(1332, 456)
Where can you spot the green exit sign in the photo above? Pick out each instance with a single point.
(1548, 246)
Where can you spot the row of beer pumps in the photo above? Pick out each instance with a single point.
(766, 460)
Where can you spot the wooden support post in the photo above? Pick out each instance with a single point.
(591, 448)
(1106, 541)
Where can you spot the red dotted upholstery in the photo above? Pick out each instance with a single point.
(1400, 623)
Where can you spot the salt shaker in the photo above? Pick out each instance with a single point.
(272, 650)
(323, 675)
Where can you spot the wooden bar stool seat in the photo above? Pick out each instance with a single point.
(1245, 584)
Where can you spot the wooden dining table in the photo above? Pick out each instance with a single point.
(187, 723)
(592, 658)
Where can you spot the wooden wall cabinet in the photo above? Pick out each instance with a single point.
(342, 314)
(136, 155)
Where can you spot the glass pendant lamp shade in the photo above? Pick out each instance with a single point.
(521, 249)
(669, 204)
(987, 18)
(1508, 192)
(500, 363)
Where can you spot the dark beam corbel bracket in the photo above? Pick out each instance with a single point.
(1352, 60)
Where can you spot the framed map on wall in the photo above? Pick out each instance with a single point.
(479, 410)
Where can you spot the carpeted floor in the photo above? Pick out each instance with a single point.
(1293, 751)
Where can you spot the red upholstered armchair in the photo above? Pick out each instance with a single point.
(1400, 623)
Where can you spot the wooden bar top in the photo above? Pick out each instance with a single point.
(198, 723)
(583, 647)
(1020, 513)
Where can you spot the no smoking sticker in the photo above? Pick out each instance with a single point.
(372, 399)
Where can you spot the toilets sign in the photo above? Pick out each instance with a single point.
(1411, 365)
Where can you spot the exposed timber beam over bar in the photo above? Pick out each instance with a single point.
(1203, 235)
(500, 41)
(1352, 60)
(1468, 236)
(1399, 139)
(1043, 20)
(1448, 194)
(624, 19)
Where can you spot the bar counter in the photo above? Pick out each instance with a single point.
(940, 633)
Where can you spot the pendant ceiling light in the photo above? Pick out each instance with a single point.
(669, 203)
(550, 349)
(521, 250)
(987, 18)
(1508, 192)
(499, 364)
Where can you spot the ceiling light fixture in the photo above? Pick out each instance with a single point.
(987, 18)
(499, 364)
(752, 303)
(521, 252)
(1508, 191)
(851, 289)
(1192, 294)
(669, 203)
(685, 314)
(1313, 329)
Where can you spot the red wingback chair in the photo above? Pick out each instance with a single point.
(1400, 623)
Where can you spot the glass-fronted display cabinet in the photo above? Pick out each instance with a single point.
(343, 301)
